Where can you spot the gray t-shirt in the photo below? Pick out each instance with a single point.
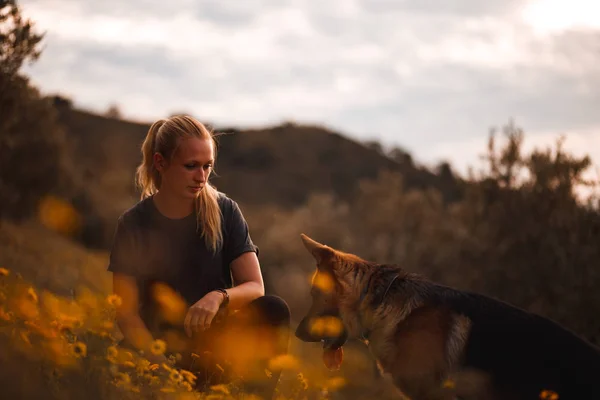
(155, 249)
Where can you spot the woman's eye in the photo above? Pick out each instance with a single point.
(195, 165)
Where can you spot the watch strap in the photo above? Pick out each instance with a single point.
(225, 302)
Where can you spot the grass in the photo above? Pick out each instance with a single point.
(58, 336)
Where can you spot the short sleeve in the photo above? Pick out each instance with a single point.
(122, 254)
(237, 238)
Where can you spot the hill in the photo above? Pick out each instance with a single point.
(277, 166)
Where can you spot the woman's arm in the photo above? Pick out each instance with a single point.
(249, 285)
(242, 257)
(248, 280)
(128, 319)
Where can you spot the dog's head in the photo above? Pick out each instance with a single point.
(323, 322)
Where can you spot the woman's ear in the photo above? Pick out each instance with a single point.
(159, 162)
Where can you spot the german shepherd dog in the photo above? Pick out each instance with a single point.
(425, 335)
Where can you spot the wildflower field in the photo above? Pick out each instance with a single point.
(58, 338)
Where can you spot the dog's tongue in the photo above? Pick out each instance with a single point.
(333, 358)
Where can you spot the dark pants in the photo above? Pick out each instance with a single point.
(241, 346)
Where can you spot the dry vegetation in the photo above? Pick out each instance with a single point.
(516, 231)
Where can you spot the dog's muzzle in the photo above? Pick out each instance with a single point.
(304, 333)
(335, 343)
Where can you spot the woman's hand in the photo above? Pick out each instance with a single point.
(200, 315)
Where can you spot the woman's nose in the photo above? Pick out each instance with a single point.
(200, 176)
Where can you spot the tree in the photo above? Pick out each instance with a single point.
(31, 141)
(113, 112)
(374, 145)
(533, 234)
(401, 156)
(18, 42)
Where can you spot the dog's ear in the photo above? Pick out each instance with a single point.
(319, 251)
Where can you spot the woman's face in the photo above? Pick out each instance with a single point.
(188, 170)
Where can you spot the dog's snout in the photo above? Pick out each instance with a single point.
(303, 332)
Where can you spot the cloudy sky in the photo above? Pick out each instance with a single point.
(429, 75)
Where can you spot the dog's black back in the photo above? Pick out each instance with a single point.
(522, 352)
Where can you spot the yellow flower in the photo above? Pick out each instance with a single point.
(4, 272)
(187, 386)
(122, 379)
(171, 305)
(128, 356)
(255, 397)
(108, 325)
(25, 337)
(335, 383)
(158, 347)
(190, 377)
(220, 388)
(69, 322)
(111, 354)
(143, 365)
(6, 316)
(175, 376)
(79, 349)
(32, 294)
(27, 308)
(58, 215)
(284, 361)
(114, 300)
(154, 380)
(448, 384)
(548, 395)
(303, 381)
(329, 326)
(324, 282)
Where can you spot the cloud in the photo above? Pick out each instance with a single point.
(408, 73)
(552, 16)
(459, 8)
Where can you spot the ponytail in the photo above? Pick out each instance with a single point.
(147, 177)
(209, 217)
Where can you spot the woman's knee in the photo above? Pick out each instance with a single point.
(273, 309)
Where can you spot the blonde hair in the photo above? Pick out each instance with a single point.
(163, 137)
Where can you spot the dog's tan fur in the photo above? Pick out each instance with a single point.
(419, 346)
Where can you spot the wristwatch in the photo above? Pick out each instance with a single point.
(225, 302)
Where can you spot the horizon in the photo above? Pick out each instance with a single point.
(369, 71)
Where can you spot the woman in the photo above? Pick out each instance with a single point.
(187, 270)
